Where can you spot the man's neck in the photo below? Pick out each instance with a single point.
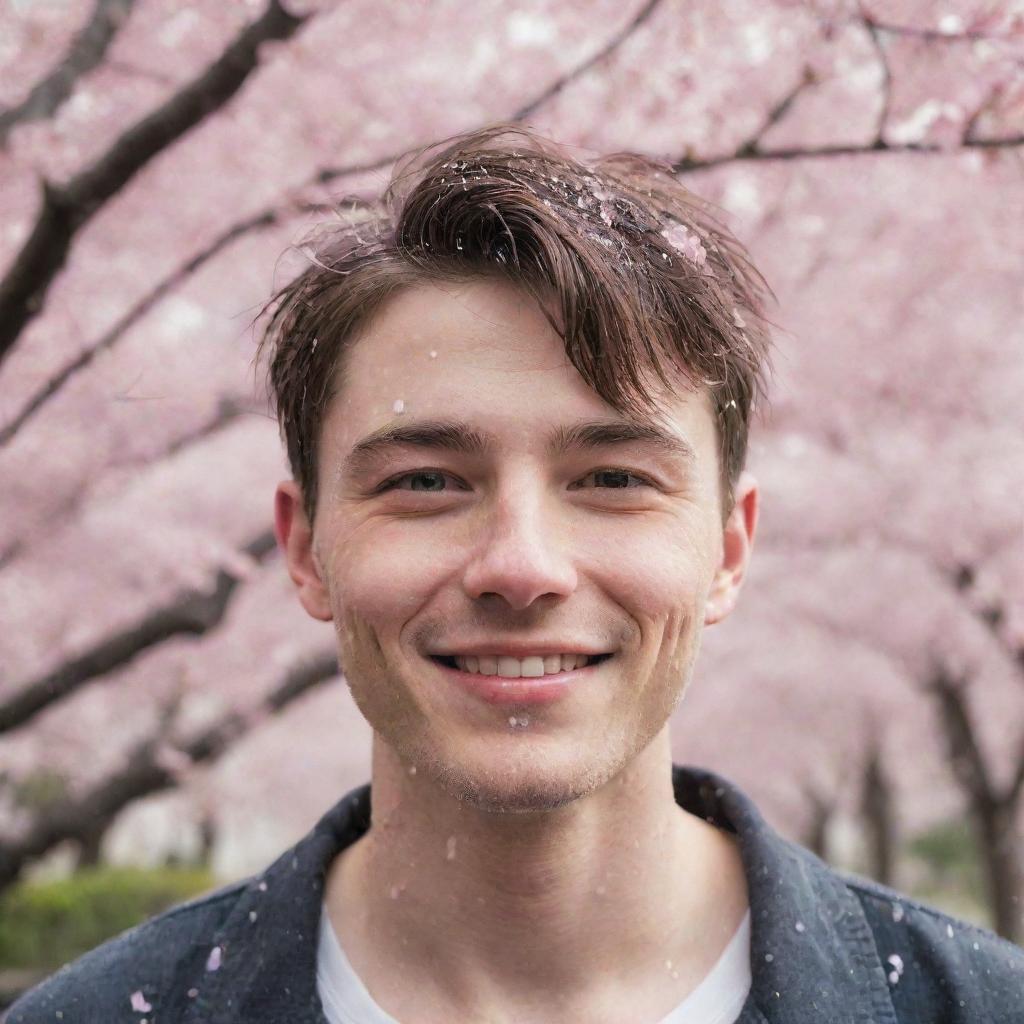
(620, 896)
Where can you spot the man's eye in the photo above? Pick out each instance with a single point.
(616, 478)
(420, 480)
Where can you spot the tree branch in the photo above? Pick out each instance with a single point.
(934, 34)
(132, 317)
(65, 209)
(86, 51)
(883, 60)
(583, 67)
(147, 771)
(191, 613)
(965, 755)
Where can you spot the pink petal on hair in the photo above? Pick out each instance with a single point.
(213, 960)
(686, 242)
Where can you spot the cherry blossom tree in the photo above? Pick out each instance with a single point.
(158, 159)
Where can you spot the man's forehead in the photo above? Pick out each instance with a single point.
(484, 354)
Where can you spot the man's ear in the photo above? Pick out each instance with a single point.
(295, 538)
(737, 544)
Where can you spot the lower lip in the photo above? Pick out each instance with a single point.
(524, 690)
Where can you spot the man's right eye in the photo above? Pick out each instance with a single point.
(428, 480)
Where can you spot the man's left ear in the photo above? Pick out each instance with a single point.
(737, 544)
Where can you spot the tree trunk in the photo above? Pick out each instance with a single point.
(999, 858)
(878, 815)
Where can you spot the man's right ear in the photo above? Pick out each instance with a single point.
(295, 538)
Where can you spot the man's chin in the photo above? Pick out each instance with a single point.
(523, 788)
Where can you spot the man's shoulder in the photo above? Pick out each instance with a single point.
(115, 981)
(938, 965)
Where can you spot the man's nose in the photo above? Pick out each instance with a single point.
(523, 554)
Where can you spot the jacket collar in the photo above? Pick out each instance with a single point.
(813, 956)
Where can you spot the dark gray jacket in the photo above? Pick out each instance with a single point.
(824, 947)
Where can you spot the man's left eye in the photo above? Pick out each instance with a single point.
(421, 480)
(616, 479)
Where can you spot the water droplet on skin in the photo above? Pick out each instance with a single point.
(394, 892)
(450, 851)
(601, 890)
(399, 406)
(433, 354)
(412, 769)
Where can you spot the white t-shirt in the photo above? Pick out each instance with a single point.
(718, 999)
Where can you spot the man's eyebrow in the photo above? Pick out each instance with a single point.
(457, 436)
(601, 433)
(447, 435)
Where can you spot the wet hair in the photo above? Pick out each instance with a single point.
(635, 273)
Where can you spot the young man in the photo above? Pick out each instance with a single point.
(516, 403)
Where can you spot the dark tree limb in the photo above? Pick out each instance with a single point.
(688, 164)
(192, 613)
(86, 52)
(130, 319)
(933, 34)
(966, 758)
(883, 62)
(638, 19)
(146, 772)
(66, 208)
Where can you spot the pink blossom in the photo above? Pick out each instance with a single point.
(686, 242)
(139, 1004)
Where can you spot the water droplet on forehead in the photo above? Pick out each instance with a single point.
(450, 848)
(399, 406)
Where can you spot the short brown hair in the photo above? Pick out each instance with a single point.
(634, 271)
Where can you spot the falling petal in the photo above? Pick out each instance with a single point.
(139, 1004)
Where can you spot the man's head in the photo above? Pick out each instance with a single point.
(516, 405)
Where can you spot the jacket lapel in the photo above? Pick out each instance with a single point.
(813, 956)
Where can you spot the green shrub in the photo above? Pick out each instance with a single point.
(46, 924)
(949, 870)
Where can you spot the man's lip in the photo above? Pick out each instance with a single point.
(518, 650)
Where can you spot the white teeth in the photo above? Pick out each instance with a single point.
(532, 667)
(509, 668)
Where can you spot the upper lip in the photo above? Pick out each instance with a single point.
(518, 650)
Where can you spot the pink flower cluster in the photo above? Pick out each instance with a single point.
(687, 243)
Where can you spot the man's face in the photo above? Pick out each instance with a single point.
(422, 551)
